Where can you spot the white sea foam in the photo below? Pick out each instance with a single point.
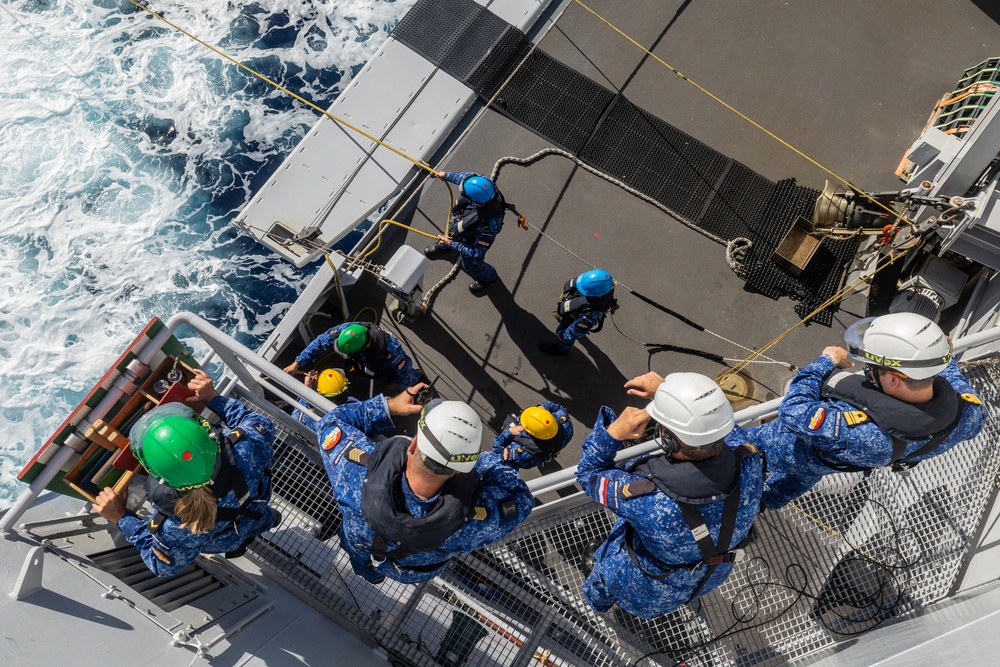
(127, 149)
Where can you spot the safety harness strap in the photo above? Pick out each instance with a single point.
(712, 554)
(900, 461)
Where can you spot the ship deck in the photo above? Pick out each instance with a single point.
(849, 85)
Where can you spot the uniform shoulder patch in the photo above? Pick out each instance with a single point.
(508, 508)
(359, 456)
(480, 514)
(817, 419)
(855, 417)
(260, 428)
(637, 488)
(162, 556)
(332, 438)
(971, 398)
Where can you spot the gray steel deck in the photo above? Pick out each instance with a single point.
(847, 83)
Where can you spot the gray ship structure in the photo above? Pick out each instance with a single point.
(738, 254)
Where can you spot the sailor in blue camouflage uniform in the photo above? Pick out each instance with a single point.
(477, 218)
(372, 351)
(410, 504)
(582, 307)
(912, 403)
(189, 466)
(535, 436)
(683, 514)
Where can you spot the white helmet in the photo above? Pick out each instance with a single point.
(450, 434)
(692, 407)
(904, 342)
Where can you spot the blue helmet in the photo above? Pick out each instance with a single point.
(595, 283)
(479, 189)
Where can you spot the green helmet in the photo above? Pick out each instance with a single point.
(176, 446)
(351, 340)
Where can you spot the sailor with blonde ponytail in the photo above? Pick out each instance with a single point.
(210, 492)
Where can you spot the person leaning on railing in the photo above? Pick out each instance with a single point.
(684, 511)
(411, 503)
(911, 403)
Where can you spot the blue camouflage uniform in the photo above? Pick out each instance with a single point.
(807, 421)
(570, 331)
(664, 538)
(472, 247)
(396, 368)
(512, 449)
(173, 548)
(351, 425)
(308, 421)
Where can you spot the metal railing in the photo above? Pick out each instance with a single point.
(256, 374)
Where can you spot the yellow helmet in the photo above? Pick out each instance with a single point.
(539, 423)
(332, 382)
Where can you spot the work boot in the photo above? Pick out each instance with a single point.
(553, 349)
(587, 556)
(477, 287)
(434, 250)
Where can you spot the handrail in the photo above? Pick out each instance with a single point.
(567, 476)
(236, 357)
(233, 355)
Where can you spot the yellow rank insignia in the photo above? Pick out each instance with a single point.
(480, 513)
(855, 417)
(971, 398)
(332, 438)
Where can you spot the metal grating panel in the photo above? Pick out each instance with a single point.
(554, 101)
(656, 158)
(455, 35)
(168, 593)
(851, 553)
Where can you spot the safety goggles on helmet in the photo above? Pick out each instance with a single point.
(449, 434)
(176, 445)
(854, 337)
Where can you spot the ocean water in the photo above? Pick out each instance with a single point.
(127, 150)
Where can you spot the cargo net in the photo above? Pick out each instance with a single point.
(850, 554)
(959, 109)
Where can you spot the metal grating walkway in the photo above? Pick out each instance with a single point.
(853, 552)
(605, 130)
